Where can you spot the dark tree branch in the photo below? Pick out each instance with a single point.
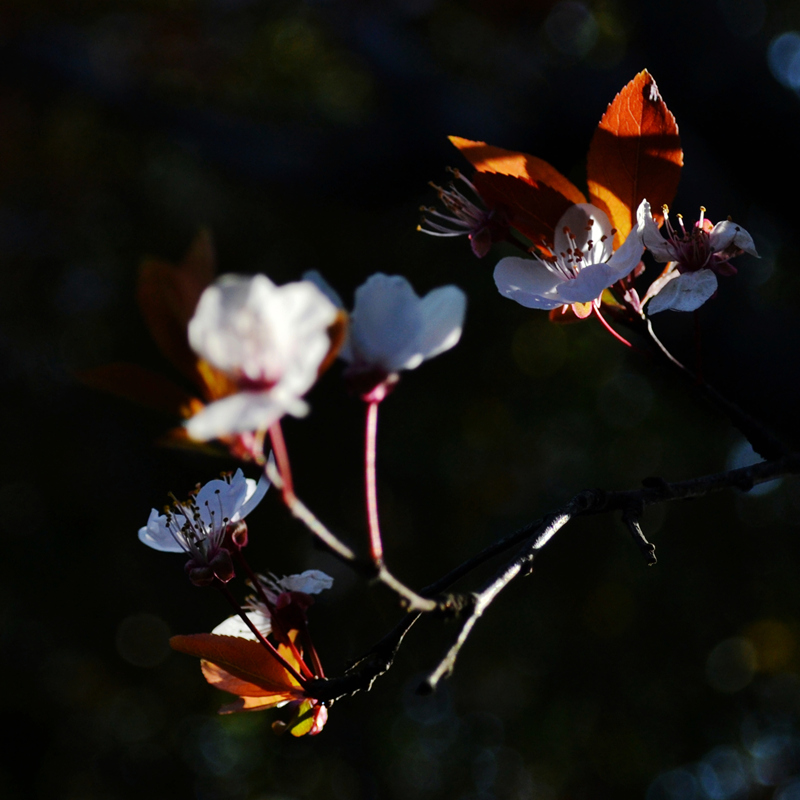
(535, 536)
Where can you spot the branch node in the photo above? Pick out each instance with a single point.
(630, 516)
(454, 604)
(590, 500)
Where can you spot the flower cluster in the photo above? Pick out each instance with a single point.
(271, 343)
(579, 255)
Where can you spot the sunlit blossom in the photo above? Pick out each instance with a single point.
(200, 524)
(696, 257)
(583, 262)
(269, 340)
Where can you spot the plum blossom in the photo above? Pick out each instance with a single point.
(582, 265)
(393, 329)
(200, 525)
(312, 581)
(268, 340)
(696, 257)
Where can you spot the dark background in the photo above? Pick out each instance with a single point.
(303, 136)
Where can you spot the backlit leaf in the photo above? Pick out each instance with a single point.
(533, 194)
(635, 154)
(168, 294)
(247, 664)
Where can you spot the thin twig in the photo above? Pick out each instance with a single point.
(411, 600)
(764, 442)
(484, 598)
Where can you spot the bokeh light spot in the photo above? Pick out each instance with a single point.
(774, 643)
(731, 665)
(571, 28)
(783, 56)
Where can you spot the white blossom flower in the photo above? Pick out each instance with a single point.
(583, 263)
(312, 581)
(392, 328)
(269, 340)
(198, 526)
(697, 256)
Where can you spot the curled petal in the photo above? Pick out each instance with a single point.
(628, 255)
(530, 283)
(727, 233)
(687, 292)
(156, 534)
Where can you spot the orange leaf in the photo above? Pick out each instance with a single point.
(168, 295)
(240, 666)
(487, 158)
(139, 385)
(533, 194)
(635, 154)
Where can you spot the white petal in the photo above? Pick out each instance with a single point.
(312, 581)
(687, 292)
(589, 284)
(669, 274)
(236, 626)
(442, 312)
(385, 323)
(727, 233)
(652, 238)
(578, 218)
(246, 411)
(528, 282)
(221, 498)
(157, 535)
(629, 253)
(255, 494)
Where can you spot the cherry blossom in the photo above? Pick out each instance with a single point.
(312, 581)
(268, 340)
(696, 257)
(200, 525)
(583, 262)
(393, 329)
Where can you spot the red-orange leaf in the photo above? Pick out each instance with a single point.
(487, 158)
(246, 668)
(140, 385)
(533, 209)
(168, 294)
(635, 154)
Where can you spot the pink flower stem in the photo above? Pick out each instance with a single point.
(256, 584)
(375, 545)
(282, 459)
(611, 330)
(257, 633)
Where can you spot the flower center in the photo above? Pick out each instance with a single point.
(571, 261)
